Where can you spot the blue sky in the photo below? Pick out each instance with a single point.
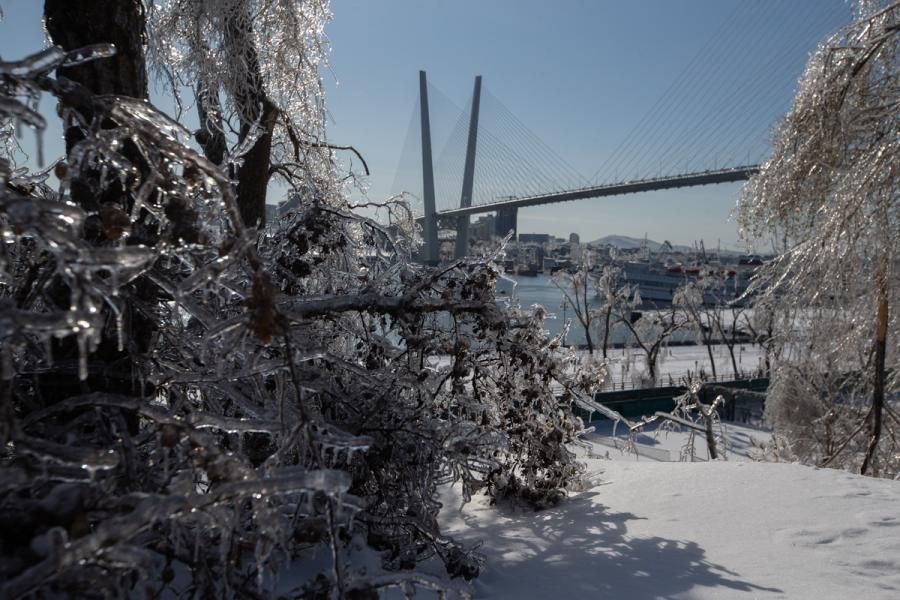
(580, 74)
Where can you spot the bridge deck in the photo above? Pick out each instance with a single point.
(616, 189)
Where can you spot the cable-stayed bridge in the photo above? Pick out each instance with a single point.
(652, 184)
(711, 125)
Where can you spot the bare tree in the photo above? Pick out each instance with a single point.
(761, 320)
(690, 298)
(579, 290)
(729, 321)
(613, 295)
(650, 331)
(830, 191)
(714, 315)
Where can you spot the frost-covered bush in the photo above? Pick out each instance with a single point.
(192, 405)
(651, 332)
(829, 193)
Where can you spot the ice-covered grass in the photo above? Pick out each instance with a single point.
(702, 530)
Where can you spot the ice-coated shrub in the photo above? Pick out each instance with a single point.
(192, 405)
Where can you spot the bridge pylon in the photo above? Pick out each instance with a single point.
(465, 200)
(431, 251)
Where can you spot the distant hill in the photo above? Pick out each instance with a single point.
(624, 242)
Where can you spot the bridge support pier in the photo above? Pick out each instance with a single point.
(465, 200)
(506, 221)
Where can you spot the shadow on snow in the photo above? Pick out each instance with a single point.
(581, 547)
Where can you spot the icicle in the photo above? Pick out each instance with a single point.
(7, 369)
(120, 331)
(39, 147)
(48, 350)
(147, 188)
(81, 338)
(196, 558)
(21, 114)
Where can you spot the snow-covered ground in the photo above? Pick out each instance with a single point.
(699, 530)
(654, 527)
(677, 362)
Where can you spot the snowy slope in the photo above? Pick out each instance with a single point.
(711, 530)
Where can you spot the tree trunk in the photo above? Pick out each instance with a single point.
(73, 25)
(769, 346)
(606, 331)
(734, 365)
(879, 375)
(253, 177)
(256, 110)
(651, 365)
(712, 361)
(211, 134)
(587, 336)
(732, 340)
(587, 313)
(710, 435)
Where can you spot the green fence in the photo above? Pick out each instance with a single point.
(643, 402)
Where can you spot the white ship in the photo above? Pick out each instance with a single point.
(656, 283)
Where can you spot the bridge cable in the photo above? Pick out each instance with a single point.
(697, 84)
(543, 152)
(676, 84)
(741, 106)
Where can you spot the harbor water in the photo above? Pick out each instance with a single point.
(541, 290)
